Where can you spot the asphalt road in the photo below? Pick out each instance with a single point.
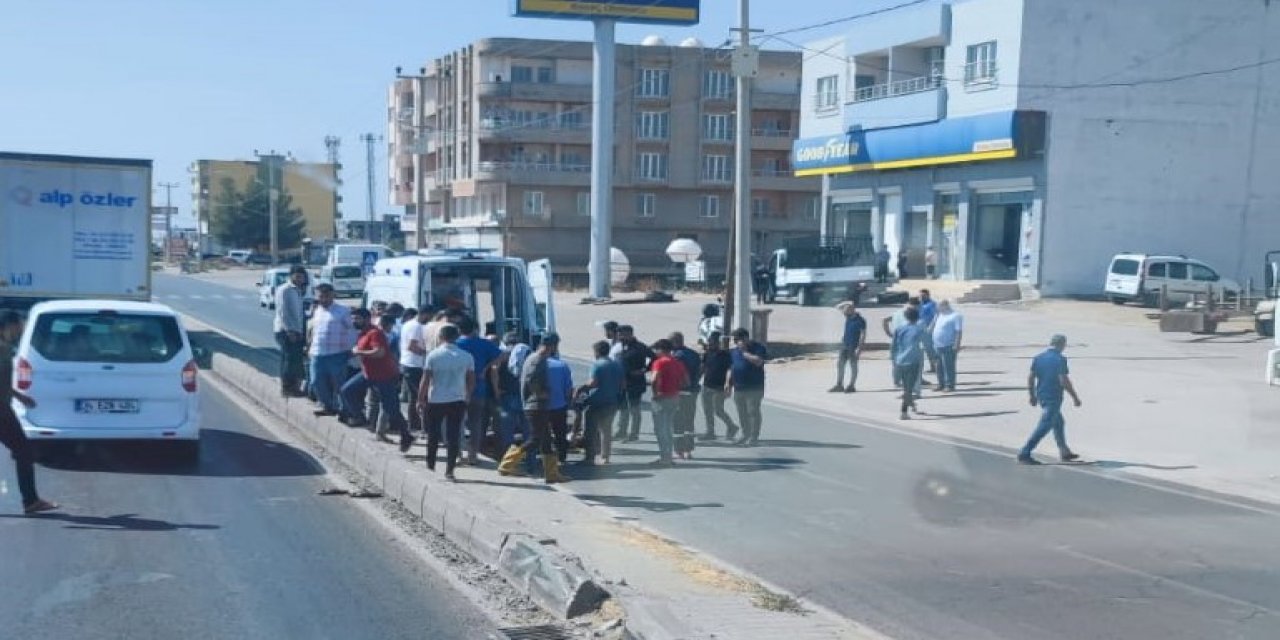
(240, 546)
(921, 538)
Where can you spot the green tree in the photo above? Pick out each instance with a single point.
(241, 219)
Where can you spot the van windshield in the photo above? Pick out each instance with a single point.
(1124, 267)
(106, 337)
(347, 272)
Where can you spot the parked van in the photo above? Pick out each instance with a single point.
(500, 293)
(346, 279)
(1140, 277)
(357, 254)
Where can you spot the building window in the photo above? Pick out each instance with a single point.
(717, 168)
(717, 85)
(655, 83)
(936, 58)
(584, 203)
(651, 125)
(571, 120)
(759, 207)
(520, 73)
(652, 166)
(813, 211)
(828, 97)
(717, 126)
(980, 63)
(533, 203)
(546, 75)
(710, 207)
(645, 205)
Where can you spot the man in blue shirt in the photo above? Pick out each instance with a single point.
(928, 313)
(746, 384)
(1046, 383)
(687, 407)
(480, 408)
(851, 343)
(560, 383)
(907, 351)
(608, 386)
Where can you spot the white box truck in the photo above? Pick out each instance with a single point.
(74, 227)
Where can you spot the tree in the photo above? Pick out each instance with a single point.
(242, 218)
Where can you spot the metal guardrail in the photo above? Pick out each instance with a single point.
(535, 166)
(898, 88)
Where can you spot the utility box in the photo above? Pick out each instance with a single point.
(1179, 321)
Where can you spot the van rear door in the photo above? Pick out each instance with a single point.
(1124, 278)
(541, 281)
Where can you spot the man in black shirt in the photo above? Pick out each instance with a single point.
(634, 357)
(715, 371)
(687, 408)
(11, 434)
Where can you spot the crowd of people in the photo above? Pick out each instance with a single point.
(425, 372)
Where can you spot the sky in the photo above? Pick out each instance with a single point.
(184, 80)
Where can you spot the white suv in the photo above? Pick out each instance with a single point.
(108, 370)
(1140, 277)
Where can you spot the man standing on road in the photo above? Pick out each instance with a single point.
(746, 384)
(891, 324)
(948, 331)
(607, 388)
(907, 352)
(1048, 379)
(928, 313)
(290, 327)
(687, 410)
(669, 379)
(882, 264)
(536, 391)
(634, 357)
(930, 263)
(851, 343)
(480, 407)
(11, 434)
(448, 380)
(332, 336)
(715, 376)
(413, 355)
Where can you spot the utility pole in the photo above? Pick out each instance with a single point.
(168, 219)
(273, 163)
(745, 66)
(332, 145)
(603, 83)
(370, 140)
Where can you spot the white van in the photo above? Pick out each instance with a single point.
(357, 254)
(346, 279)
(500, 293)
(1140, 277)
(108, 370)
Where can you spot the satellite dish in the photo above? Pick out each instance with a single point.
(691, 43)
(653, 41)
(684, 250)
(619, 266)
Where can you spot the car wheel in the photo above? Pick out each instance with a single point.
(187, 451)
(1117, 300)
(1265, 328)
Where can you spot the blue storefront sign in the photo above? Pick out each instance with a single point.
(991, 136)
(673, 12)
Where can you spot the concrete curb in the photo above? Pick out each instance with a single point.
(530, 562)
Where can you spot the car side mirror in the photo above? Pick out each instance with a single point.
(203, 357)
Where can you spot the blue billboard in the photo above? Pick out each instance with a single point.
(673, 12)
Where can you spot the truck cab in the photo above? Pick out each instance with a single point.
(501, 293)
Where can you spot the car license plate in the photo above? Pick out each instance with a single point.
(94, 405)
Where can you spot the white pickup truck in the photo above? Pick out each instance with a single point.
(807, 270)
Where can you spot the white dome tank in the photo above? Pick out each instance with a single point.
(653, 41)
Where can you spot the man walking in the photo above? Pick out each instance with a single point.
(669, 379)
(1048, 379)
(413, 355)
(746, 384)
(11, 434)
(928, 313)
(891, 324)
(448, 380)
(907, 352)
(290, 327)
(379, 371)
(948, 331)
(607, 388)
(634, 358)
(483, 353)
(332, 336)
(687, 408)
(715, 376)
(882, 264)
(851, 343)
(536, 391)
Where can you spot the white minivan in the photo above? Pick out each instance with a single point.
(347, 280)
(108, 370)
(1140, 277)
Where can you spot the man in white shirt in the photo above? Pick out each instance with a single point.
(948, 330)
(290, 326)
(413, 356)
(448, 380)
(332, 337)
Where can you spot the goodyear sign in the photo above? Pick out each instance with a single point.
(672, 12)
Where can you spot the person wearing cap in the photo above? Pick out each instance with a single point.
(290, 327)
(11, 434)
(448, 380)
(1049, 378)
(537, 390)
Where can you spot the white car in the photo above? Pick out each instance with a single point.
(108, 370)
(272, 278)
(346, 279)
(1141, 277)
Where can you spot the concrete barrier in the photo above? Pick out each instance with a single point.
(542, 571)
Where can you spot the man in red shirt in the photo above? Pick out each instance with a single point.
(379, 369)
(669, 379)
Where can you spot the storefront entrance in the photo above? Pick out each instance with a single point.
(849, 220)
(996, 235)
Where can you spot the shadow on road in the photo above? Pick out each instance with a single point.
(957, 416)
(637, 502)
(1119, 464)
(224, 454)
(122, 522)
(266, 361)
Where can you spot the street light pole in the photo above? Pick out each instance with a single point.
(168, 219)
(272, 162)
(744, 67)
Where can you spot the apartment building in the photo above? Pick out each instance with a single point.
(503, 143)
(1030, 140)
(313, 186)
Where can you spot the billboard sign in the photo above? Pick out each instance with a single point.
(669, 12)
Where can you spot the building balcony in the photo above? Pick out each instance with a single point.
(538, 91)
(497, 130)
(782, 180)
(716, 177)
(911, 101)
(552, 174)
(775, 101)
(772, 139)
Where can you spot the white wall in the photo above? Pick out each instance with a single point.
(980, 21)
(1184, 166)
(816, 66)
(573, 71)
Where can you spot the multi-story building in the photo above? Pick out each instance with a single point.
(503, 140)
(313, 186)
(1030, 140)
